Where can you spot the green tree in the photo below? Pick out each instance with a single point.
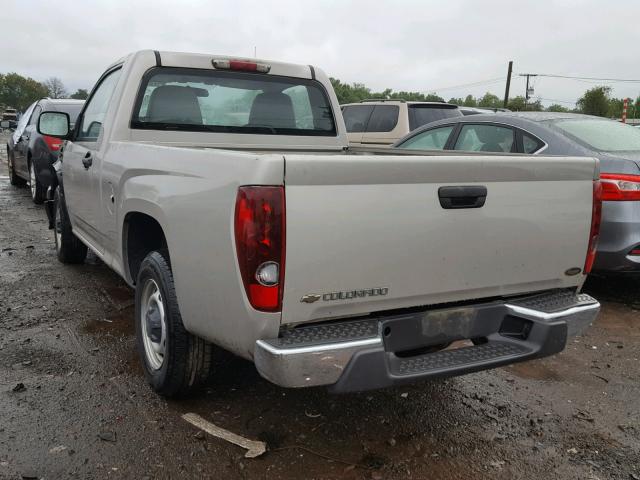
(20, 92)
(350, 93)
(557, 108)
(489, 100)
(470, 101)
(615, 108)
(595, 101)
(81, 94)
(456, 101)
(517, 104)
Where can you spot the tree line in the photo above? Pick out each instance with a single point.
(19, 92)
(595, 101)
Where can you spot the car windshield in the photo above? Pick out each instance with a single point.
(601, 135)
(232, 102)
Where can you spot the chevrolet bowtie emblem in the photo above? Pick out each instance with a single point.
(310, 298)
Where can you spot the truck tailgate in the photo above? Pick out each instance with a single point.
(367, 233)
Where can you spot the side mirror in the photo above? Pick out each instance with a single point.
(5, 124)
(54, 124)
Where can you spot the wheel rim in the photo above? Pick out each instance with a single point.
(57, 227)
(153, 321)
(32, 180)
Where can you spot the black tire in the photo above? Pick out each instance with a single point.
(187, 360)
(37, 190)
(68, 247)
(14, 179)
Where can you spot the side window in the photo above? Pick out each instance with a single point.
(485, 138)
(96, 109)
(356, 117)
(34, 116)
(531, 144)
(435, 139)
(384, 118)
(23, 122)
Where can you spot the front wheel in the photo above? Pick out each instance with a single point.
(37, 190)
(68, 247)
(174, 361)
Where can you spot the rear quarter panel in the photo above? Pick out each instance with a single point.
(191, 193)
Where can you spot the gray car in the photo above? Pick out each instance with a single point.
(616, 145)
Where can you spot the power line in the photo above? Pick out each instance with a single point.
(472, 84)
(601, 79)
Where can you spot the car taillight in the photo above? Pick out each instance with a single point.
(596, 215)
(53, 143)
(260, 244)
(617, 187)
(241, 65)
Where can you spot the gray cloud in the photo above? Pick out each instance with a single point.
(404, 45)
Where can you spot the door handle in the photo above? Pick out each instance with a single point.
(462, 196)
(87, 161)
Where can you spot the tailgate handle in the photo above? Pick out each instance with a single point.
(462, 197)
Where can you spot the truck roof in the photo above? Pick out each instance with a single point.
(204, 61)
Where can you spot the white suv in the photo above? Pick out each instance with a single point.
(382, 122)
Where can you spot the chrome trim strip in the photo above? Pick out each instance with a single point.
(318, 348)
(551, 316)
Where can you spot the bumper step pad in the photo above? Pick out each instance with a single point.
(448, 359)
(329, 333)
(553, 302)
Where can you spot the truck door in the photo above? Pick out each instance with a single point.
(82, 159)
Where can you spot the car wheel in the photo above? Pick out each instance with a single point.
(68, 247)
(37, 190)
(175, 362)
(14, 179)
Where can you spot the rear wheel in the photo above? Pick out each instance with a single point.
(14, 179)
(37, 190)
(174, 361)
(68, 247)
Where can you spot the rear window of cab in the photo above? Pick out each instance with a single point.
(232, 102)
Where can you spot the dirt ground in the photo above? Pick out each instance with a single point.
(74, 403)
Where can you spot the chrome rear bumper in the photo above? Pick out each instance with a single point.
(372, 353)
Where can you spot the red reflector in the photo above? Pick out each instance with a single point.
(241, 65)
(53, 143)
(260, 237)
(596, 216)
(635, 251)
(618, 187)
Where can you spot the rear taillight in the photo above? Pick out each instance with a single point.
(260, 244)
(617, 187)
(241, 65)
(53, 143)
(596, 215)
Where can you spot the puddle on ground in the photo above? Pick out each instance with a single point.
(533, 370)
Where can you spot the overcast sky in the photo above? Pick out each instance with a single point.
(403, 45)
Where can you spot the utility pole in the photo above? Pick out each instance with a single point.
(526, 94)
(506, 90)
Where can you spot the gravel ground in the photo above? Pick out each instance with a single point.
(74, 403)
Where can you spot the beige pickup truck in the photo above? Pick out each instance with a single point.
(223, 190)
